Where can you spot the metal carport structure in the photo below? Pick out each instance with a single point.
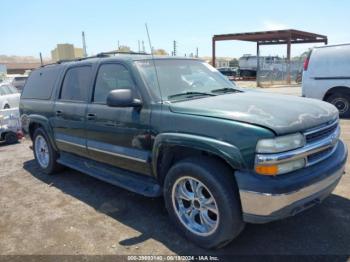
(278, 37)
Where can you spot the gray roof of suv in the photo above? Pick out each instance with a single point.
(119, 57)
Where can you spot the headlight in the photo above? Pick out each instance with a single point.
(280, 144)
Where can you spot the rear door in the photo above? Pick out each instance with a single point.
(70, 110)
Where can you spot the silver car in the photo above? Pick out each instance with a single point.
(9, 96)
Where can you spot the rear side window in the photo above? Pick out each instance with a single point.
(2, 91)
(76, 83)
(13, 90)
(9, 90)
(20, 78)
(6, 90)
(111, 77)
(41, 83)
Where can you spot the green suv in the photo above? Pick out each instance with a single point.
(220, 155)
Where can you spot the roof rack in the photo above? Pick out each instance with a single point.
(103, 54)
(99, 55)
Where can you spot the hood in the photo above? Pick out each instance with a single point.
(281, 113)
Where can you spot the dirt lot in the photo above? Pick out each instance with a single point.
(72, 213)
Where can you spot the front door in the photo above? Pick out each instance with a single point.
(70, 110)
(118, 136)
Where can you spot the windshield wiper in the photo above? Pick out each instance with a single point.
(225, 90)
(191, 93)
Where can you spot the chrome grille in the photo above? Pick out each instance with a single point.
(321, 132)
(316, 157)
(315, 135)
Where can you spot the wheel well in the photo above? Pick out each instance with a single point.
(169, 155)
(32, 127)
(337, 89)
(3, 135)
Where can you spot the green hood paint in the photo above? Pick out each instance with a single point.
(281, 113)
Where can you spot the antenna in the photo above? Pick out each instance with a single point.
(154, 63)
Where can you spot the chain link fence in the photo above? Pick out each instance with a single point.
(276, 72)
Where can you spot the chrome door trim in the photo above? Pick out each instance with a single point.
(70, 143)
(116, 154)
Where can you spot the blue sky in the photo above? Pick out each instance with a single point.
(29, 27)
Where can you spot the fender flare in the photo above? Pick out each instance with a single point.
(230, 153)
(44, 122)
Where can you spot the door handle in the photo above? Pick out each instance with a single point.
(59, 113)
(91, 116)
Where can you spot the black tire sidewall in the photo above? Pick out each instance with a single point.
(331, 98)
(225, 194)
(11, 138)
(52, 154)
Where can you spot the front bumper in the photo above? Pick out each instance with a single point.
(265, 199)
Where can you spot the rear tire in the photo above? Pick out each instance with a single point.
(44, 153)
(342, 102)
(10, 138)
(212, 216)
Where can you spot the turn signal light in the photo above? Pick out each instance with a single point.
(267, 170)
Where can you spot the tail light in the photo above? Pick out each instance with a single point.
(307, 61)
(19, 134)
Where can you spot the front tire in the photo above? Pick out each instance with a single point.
(44, 153)
(341, 102)
(202, 199)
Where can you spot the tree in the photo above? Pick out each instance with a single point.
(160, 52)
(124, 48)
(234, 62)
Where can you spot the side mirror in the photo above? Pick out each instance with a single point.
(122, 98)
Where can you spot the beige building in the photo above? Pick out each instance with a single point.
(78, 52)
(66, 52)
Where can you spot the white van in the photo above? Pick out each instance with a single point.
(326, 76)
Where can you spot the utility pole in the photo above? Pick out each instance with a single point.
(143, 46)
(41, 59)
(174, 48)
(84, 44)
(197, 52)
(118, 45)
(138, 41)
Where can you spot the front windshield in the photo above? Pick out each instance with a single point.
(182, 76)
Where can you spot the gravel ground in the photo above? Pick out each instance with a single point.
(72, 213)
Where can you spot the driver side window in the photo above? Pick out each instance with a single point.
(111, 77)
